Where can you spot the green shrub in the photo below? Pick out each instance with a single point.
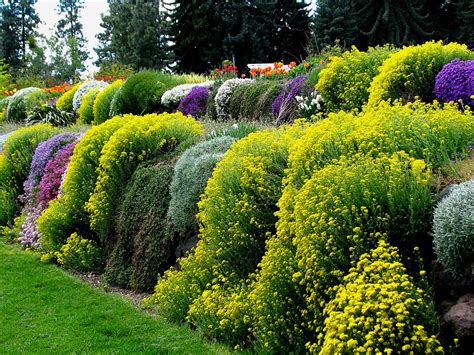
(253, 102)
(142, 138)
(50, 115)
(143, 248)
(453, 228)
(65, 100)
(66, 214)
(86, 109)
(236, 214)
(191, 173)
(411, 72)
(103, 102)
(80, 254)
(22, 102)
(15, 161)
(142, 92)
(211, 109)
(378, 306)
(345, 82)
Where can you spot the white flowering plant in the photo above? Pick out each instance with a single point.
(224, 94)
(309, 105)
(84, 89)
(173, 97)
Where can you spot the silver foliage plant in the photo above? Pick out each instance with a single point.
(191, 173)
(453, 228)
(84, 89)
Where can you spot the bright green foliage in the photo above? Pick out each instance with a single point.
(15, 161)
(237, 215)
(191, 173)
(143, 248)
(86, 110)
(453, 228)
(344, 83)
(379, 308)
(143, 138)
(142, 92)
(103, 102)
(411, 72)
(253, 102)
(66, 214)
(80, 254)
(65, 100)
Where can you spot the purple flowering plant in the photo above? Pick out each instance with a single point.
(283, 105)
(455, 82)
(194, 103)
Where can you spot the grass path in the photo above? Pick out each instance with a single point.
(45, 310)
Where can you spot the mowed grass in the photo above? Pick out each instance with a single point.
(45, 310)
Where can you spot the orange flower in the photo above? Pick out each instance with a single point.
(292, 64)
(306, 65)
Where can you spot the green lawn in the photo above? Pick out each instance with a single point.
(45, 310)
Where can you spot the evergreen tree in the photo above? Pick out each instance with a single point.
(135, 33)
(70, 28)
(19, 22)
(464, 19)
(334, 20)
(392, 21)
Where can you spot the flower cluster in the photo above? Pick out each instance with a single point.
(173, 97)
(194, 103)
(278, 69)
(379, 308)
(455, 82)
(282, 105)
(57, 89)
(84, 89)
(309, 105)
(79, 254)
(224, 95)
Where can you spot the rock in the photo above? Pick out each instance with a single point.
(461, 316)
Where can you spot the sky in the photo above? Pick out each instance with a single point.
(90, 19)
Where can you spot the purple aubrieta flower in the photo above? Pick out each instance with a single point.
(287, 94)
(194, 103)
(455, 82)
(43, 154)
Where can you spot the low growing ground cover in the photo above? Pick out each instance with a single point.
(45, 310)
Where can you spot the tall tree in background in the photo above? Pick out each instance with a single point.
(335, 20)
(135, 33)
(464, 19)
(19, 23)
(69, 28)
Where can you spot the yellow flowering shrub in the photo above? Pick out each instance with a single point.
(344, 83)
(142, 138)
(339, 213)
(236, 214)
(103, 101)
(379, 309)
(65, 100)
(79, 254)
(67, 213)
(411, 72)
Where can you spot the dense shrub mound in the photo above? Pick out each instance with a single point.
(15, 161)
(65, 100)
(191, 173)
(237, 215)
(142, 92)
(22, 102)
(453, 229)
(455, 82)
(253, 102)
(142, 138)
(144, 243)
(86, 109)
(103, 102)
(66, 214)
(411, 72)
(83, 89)
(378, 306)
(344, 84)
